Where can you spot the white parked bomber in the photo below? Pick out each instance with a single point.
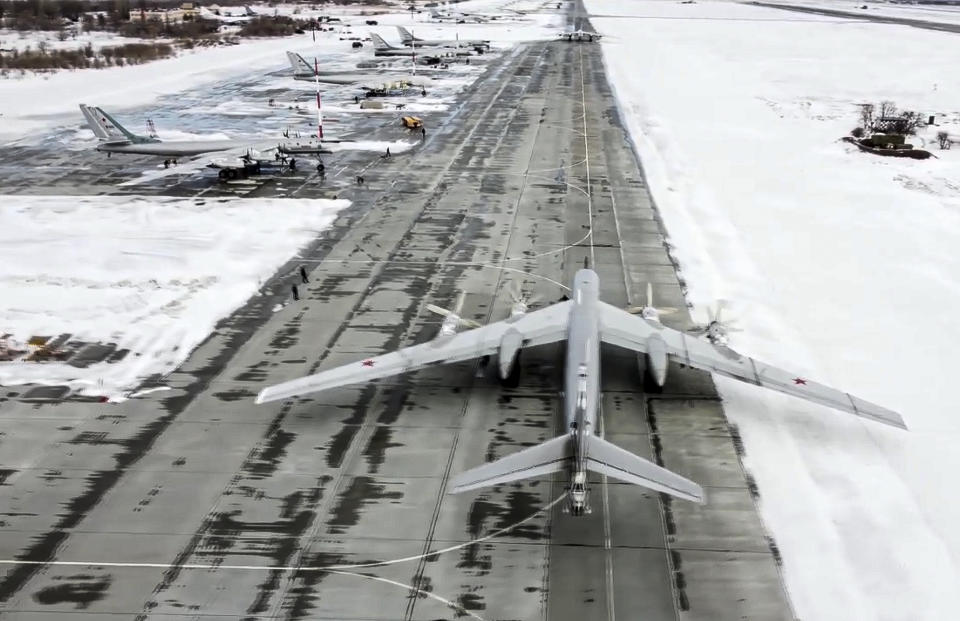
(114, 138)
(407, 38)
(303, 71)
(382, 48)
(584, 322)
(234, 158)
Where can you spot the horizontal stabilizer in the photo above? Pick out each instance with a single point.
(546, 458)
(611, 460)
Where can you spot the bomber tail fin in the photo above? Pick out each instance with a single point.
(546, 458)
(106, 128)
(300, 66)
(405, 35)
(613, 461)
(379, 43)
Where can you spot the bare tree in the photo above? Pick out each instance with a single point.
(912, 121)
(944, 139)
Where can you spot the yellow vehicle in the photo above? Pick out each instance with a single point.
(411, 122)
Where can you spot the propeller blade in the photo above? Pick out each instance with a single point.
(721, 305)
(458, 305)
(666, 310)
(436, 309)
(469, 323)
(649, 294)
(635, 310)
(514, 291)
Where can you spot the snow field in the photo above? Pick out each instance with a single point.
(838, 264)
(37, 102)
(151, 274)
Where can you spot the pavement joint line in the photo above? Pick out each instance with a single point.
(411, 603)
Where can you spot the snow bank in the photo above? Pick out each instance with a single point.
(151, 274)
(840, 265)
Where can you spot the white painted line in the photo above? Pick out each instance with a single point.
(285, 568)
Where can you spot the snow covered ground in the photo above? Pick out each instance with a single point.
(941, 13)
(34, 103)
(21, 40)
(151, 274)
(841, 265)
(154, 274)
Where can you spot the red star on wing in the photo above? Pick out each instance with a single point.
(799, 381)
(368, 363)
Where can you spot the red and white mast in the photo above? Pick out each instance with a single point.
(316, 76)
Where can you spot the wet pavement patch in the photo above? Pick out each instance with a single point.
(361, 491)
(81, 590)
(377, 447)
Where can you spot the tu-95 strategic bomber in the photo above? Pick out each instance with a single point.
(583, 322)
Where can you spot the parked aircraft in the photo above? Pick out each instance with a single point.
(407, 38)
(234, 158)
(303, 71)
(227, 16)
(584, 322)
(462, 18)
(114, 138)
(580, 35)
(382, 48)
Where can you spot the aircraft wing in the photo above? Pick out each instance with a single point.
(620, 328)
(547, 325)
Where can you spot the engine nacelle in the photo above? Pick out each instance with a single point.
(510, 344)
(657, 359)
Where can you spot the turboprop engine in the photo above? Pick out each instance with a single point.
(452, 321)
(510, 344)
(520, 302)
(657, 359)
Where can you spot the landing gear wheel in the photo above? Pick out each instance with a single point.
(223, 174)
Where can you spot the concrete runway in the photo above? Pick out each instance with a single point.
(333, 506)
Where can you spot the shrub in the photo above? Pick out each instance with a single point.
(276, 26)
(41, 60)
(944, 139)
